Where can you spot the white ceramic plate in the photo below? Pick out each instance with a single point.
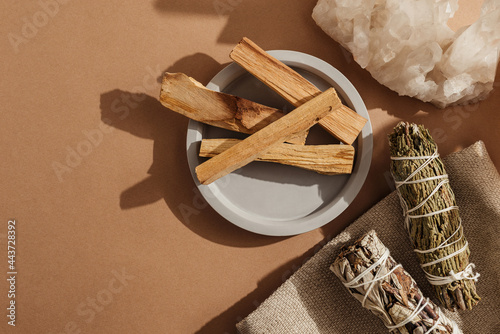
(274, 199)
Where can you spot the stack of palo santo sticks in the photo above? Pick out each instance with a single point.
(273, 135)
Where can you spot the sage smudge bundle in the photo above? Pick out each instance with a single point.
(382, 286)
(431, 216)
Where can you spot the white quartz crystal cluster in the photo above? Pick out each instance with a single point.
(407, 46)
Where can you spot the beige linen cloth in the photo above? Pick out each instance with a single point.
(313, 300)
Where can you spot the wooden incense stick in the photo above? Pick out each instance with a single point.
(324, 159)
(252, 147)
(344, 125)
(190, 98)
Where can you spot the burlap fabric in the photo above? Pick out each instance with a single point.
(313, 300)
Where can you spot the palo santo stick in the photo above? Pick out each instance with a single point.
(344, 125)
(258, 143)
(190, 98)
(323, 159)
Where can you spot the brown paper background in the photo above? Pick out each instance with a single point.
(118, 208)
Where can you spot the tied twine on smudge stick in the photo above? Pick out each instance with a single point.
(432, 216)
(383, 287)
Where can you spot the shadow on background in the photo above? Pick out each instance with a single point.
(269, 20)
(226, 321)
(200, 66)
(169, 177)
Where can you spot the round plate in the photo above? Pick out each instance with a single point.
(274, 199)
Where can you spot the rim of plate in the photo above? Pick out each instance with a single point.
(328, 212)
